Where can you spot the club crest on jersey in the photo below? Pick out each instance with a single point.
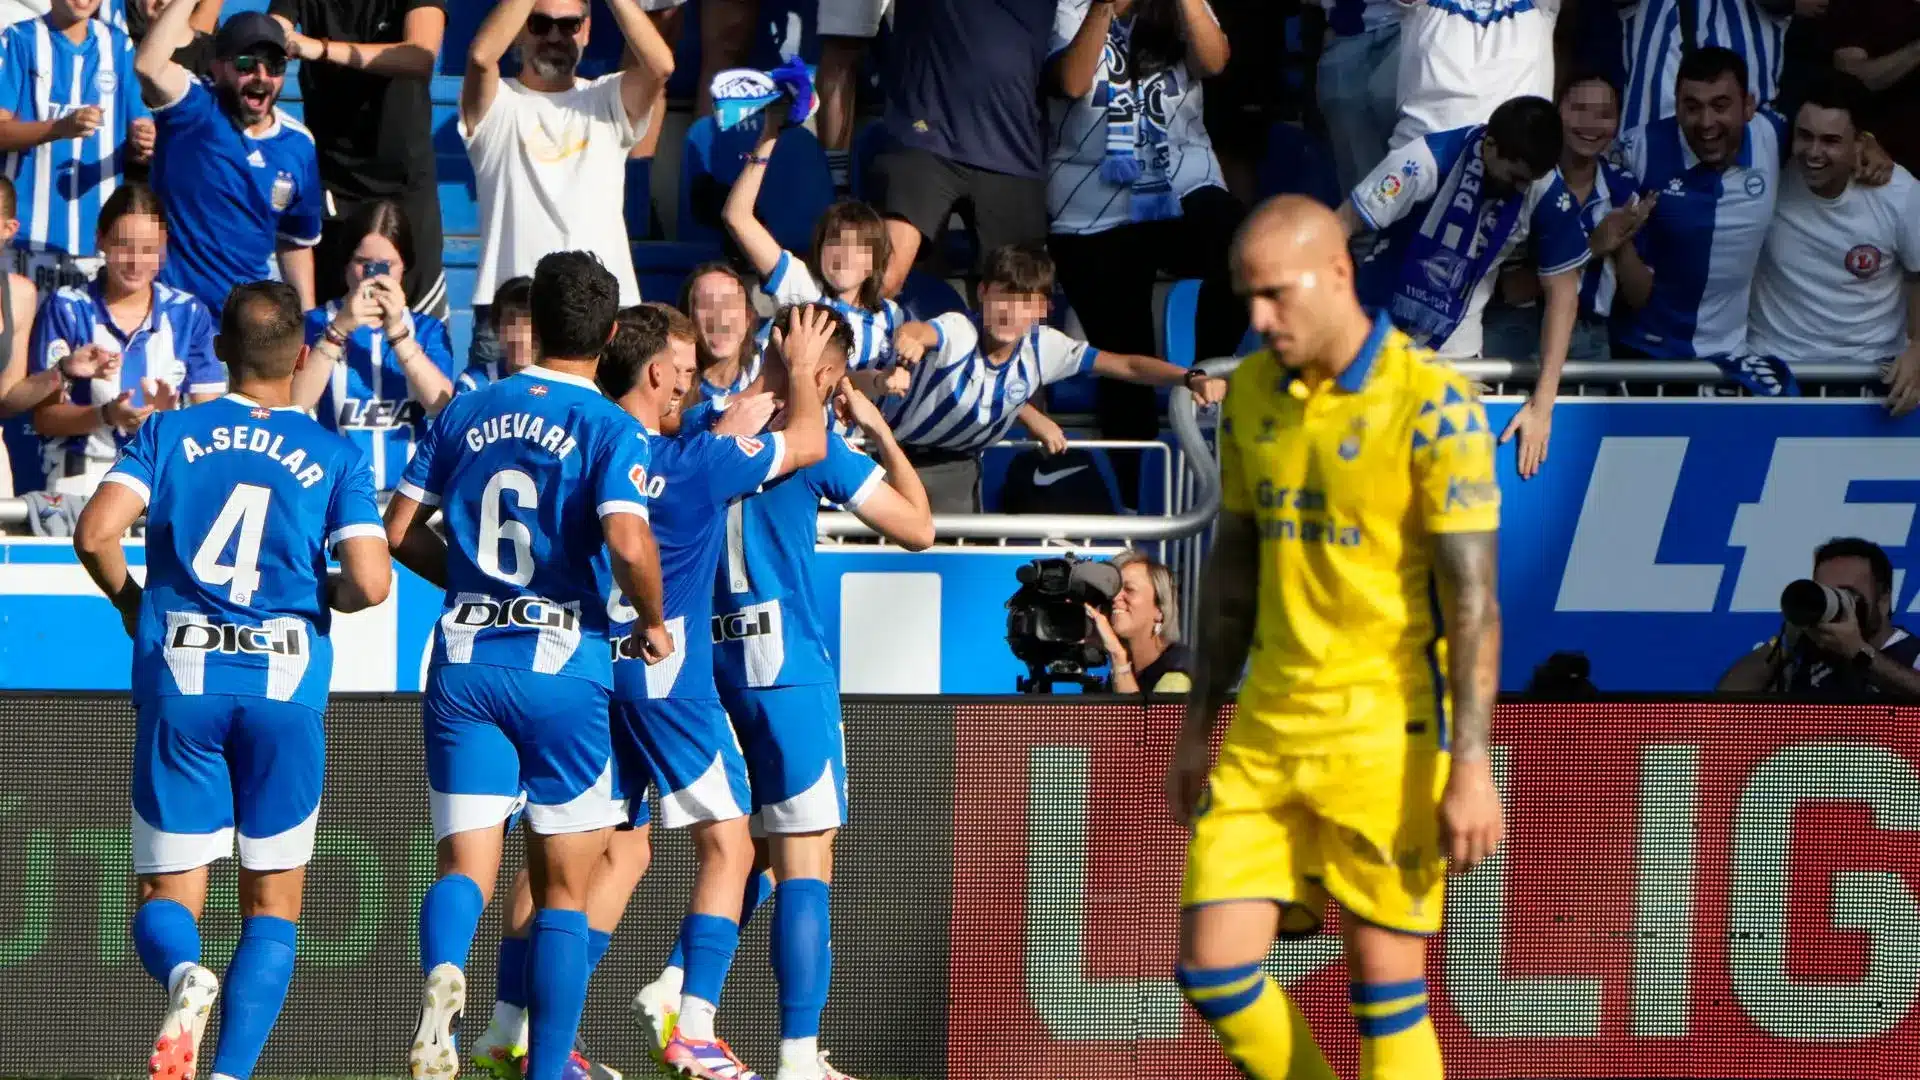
(282, 191)
(1865, 260)
(58, 350)
(1756, 184)
(106, 82)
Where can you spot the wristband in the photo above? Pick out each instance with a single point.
(335, 337)
(1123, 669)
(405, 335)
(754, 159)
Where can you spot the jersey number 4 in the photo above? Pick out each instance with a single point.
(242, 521)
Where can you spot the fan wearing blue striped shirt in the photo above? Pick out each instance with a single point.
(71, 121)
(154, 343)
(511, 316)
(965, 378)
(379, 370)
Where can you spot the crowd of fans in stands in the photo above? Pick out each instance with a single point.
(1697, 179)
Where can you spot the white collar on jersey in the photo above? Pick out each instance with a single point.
(252, 404)
(538, 372)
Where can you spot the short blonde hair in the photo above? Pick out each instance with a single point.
(1166, 595)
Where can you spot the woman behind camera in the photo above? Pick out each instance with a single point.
(378, 371)
(1142, 636)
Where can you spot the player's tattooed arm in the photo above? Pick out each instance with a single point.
(1228, 607)
(1468, 568)
(1471, 820)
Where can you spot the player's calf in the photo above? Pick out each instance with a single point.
(1259, 1027)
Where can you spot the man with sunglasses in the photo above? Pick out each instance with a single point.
(241, 184)
(549, 149)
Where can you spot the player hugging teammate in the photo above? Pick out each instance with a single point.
(573, 664)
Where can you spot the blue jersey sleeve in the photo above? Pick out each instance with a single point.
(300, 221)
(353, 511)
(1559, 237)
(422, 481)
(846, 477)
(701, 417)
(138, 467)
(205, 373)
(738, 465)
(56, 330)
(16, 75)
(619, 471)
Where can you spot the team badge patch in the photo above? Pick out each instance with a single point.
(282, 191)
(748, 445)
(1756, 185)
(58, 350)
(106, 82)
(1865, 260)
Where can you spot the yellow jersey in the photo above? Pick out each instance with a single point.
(1348, 481)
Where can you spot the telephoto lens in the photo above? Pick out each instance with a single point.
(1807, 603)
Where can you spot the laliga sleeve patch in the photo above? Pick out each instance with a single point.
(748, 445)
(638, 476)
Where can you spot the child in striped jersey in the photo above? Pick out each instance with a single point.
(964, 379)
(847, 268)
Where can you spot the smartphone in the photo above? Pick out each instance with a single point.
(378, 268)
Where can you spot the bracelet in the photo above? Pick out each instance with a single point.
(1123, 669)
(753, 159)
(335, 337)
(405, 335)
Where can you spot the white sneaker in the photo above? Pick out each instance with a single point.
(828, 1072)
(655, 1009)
(500, 1054)
(176, 1050)
(434, 1055)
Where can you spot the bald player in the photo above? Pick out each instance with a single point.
(1359, 493)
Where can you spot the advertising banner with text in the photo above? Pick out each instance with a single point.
(1686, 890)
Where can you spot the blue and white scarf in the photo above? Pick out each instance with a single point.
(1152, 191)
(1447, 258)
(739, 94)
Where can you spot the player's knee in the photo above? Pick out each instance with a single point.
(724, 846)
(796, 856)
(629, 853)
(276, 893)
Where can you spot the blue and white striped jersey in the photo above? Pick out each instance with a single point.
(961, 401)
(243, 504)
(523, 471)
(769, 630)
(1703, 240)
(1613, 188)
(477, 375)
(1652, 40)
(1442, 235)
(231, 197)
(368, 400)
(749, 371)
(793, 283)
(44, 76)
(174, 346)
(696, 479)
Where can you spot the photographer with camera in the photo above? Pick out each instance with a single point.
(1142, 633)
(1837, 637)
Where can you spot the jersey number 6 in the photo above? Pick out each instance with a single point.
(495, 528)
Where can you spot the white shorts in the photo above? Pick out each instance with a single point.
(852, 18)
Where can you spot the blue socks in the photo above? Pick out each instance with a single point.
(708, 942)
(256, 987)
(511, 986)
(165, 936)
(802, 954)
(598, 942)
(759, 888)
(449, 917)
(556, 989)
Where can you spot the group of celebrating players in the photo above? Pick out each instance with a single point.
(628, 587)
(629, 601)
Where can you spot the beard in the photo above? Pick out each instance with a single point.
(551, 61)
(234, 105)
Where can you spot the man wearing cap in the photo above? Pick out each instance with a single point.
(242, 185)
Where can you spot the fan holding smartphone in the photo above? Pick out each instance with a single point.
(378, 370)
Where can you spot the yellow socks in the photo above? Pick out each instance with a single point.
(1397, 1041)
(1258, 1026)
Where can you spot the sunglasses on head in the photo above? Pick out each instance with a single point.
(541, 25)
(246, 63)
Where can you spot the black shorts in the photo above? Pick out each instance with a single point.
(923, 189)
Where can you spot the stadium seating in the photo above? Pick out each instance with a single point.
(798, 183)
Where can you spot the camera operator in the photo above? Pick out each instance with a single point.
(1838, 637)
(1142, 636)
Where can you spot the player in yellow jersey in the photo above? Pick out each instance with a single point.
(1358, 518)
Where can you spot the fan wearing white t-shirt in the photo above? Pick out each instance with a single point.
(1832, 281)
(549, 149)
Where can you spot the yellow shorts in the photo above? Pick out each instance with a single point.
(1361, 828)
